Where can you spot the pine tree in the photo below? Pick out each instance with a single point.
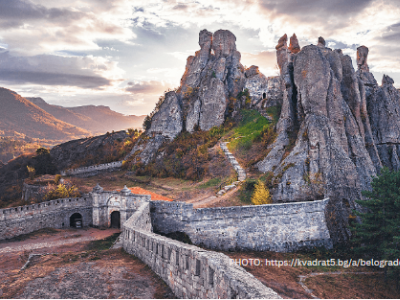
(378, 234)
(261, 194)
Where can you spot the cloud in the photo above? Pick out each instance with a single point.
(83, 72)
(36, 28)
(146, 87)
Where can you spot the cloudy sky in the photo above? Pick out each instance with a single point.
(126, 53)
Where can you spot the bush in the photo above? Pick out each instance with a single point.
(62, 191)
(261, 194)
(31, 172)
(57, 179)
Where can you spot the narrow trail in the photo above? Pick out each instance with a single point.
(34, 246)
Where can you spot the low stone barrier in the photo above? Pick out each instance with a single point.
(190, 271)
(281, 227)
(92, 169)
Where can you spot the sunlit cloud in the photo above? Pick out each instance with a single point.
(87, 51)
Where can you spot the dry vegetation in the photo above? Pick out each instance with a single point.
(285, 280)
(84, 270)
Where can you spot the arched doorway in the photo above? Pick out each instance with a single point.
(264, 95)
(115, 219)
(76, 220)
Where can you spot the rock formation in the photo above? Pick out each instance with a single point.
(264, 91)
(336, 130)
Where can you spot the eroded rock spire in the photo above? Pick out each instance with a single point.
(321, 42)
(362, 55)
(294, 46)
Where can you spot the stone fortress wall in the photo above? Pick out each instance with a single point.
(92, 169)
(190, 271)
(272, 227)
(54, 214)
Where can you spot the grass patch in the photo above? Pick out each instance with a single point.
(274, 112)
(103, 244)
(247, 190)
(210, 183)
(249, 130)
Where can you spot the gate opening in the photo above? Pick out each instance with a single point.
(115, 219)
(76, 220)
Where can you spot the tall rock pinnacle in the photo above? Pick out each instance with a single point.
(294, 46)
(362, 55)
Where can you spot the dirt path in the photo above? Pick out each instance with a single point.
(49, 238)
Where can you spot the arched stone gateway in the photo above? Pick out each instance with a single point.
(115, 219)
(76, 220)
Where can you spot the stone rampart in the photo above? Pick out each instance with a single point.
(92, 169)
(190, 271)
(54, 213)
(273, 227)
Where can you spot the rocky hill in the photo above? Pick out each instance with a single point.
(19, 116)
(337, 127)
(96, 119)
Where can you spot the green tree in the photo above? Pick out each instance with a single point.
(261, 194)
(378, 234)
(43, 162)
(147, 123)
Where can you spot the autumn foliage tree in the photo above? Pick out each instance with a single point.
(261, 194)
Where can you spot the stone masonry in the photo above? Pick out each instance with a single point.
(191, 272)
(54, 214)
(241, 173)
(273, 227)
(93, 169)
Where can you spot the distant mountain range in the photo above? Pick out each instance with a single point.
(96, 119)
(36, 119)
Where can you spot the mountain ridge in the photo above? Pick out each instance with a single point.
(97, 119)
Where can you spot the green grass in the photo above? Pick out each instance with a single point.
(249, 130)
(210, 183)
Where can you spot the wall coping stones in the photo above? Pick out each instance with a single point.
(190, 271)
(100, 167)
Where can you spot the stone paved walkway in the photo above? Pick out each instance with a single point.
(239, 170)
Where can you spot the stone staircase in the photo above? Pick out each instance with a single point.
(239, 170)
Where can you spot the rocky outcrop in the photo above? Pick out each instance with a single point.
(207, 95)
(264, 91)
(336, 130)
(383, 108)
(167, 121)
(211, 78)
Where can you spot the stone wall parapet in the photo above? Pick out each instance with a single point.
(101, 167)
(190, 271)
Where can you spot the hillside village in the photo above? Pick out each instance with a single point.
(182, 190)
